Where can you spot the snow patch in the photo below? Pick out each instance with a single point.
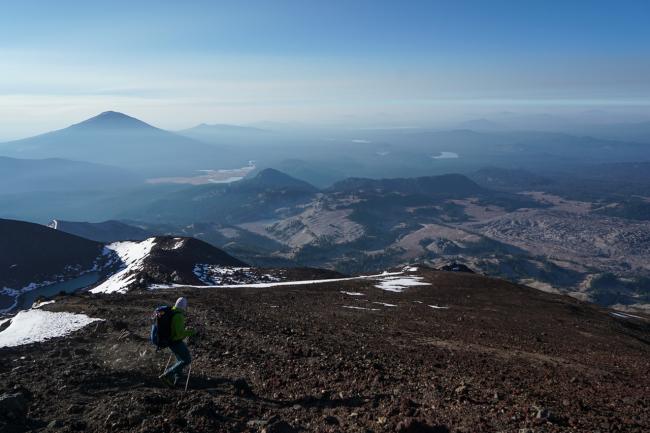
(33, 326)
(352, 307)
(40, 304)
(624, 315)
(399, 284)
(215, 275)
(437, 307)
(352, 293)
(228, 180)
(385, 304)
(132, 255)
(446, 155)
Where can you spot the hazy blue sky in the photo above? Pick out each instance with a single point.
(177, 63)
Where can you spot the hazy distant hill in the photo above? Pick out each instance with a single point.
(273, 179)
(216, 133)
(117, 139)
(416, 150)
(510, 179)
(481, 125)
(448, 185)
(249, 199)
(86, 204)
(637, 132)
(25, 175)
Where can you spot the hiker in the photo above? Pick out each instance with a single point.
(176, 344)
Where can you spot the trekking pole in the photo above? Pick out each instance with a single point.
(168, 361)
(188, 378)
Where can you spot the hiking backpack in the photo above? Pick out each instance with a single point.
(161, 329)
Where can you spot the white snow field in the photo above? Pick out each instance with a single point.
(132, 255)
(33, 326)
(399, 284)
(215, 275)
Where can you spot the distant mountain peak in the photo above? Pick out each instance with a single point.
(272, 173)
(270, 177)
(112, 120)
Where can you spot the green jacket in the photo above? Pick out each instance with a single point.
(178, 326)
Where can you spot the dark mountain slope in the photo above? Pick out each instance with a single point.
(35, 257)
(173, 260)
(107, 231)
(33, 253)
(464, 354)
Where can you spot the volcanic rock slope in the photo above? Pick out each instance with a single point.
(29, 252)
(419, 351)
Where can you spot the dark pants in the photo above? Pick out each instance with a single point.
(183, 358)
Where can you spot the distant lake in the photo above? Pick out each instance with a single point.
(26, 299)
(446, 155)
(209, 176)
